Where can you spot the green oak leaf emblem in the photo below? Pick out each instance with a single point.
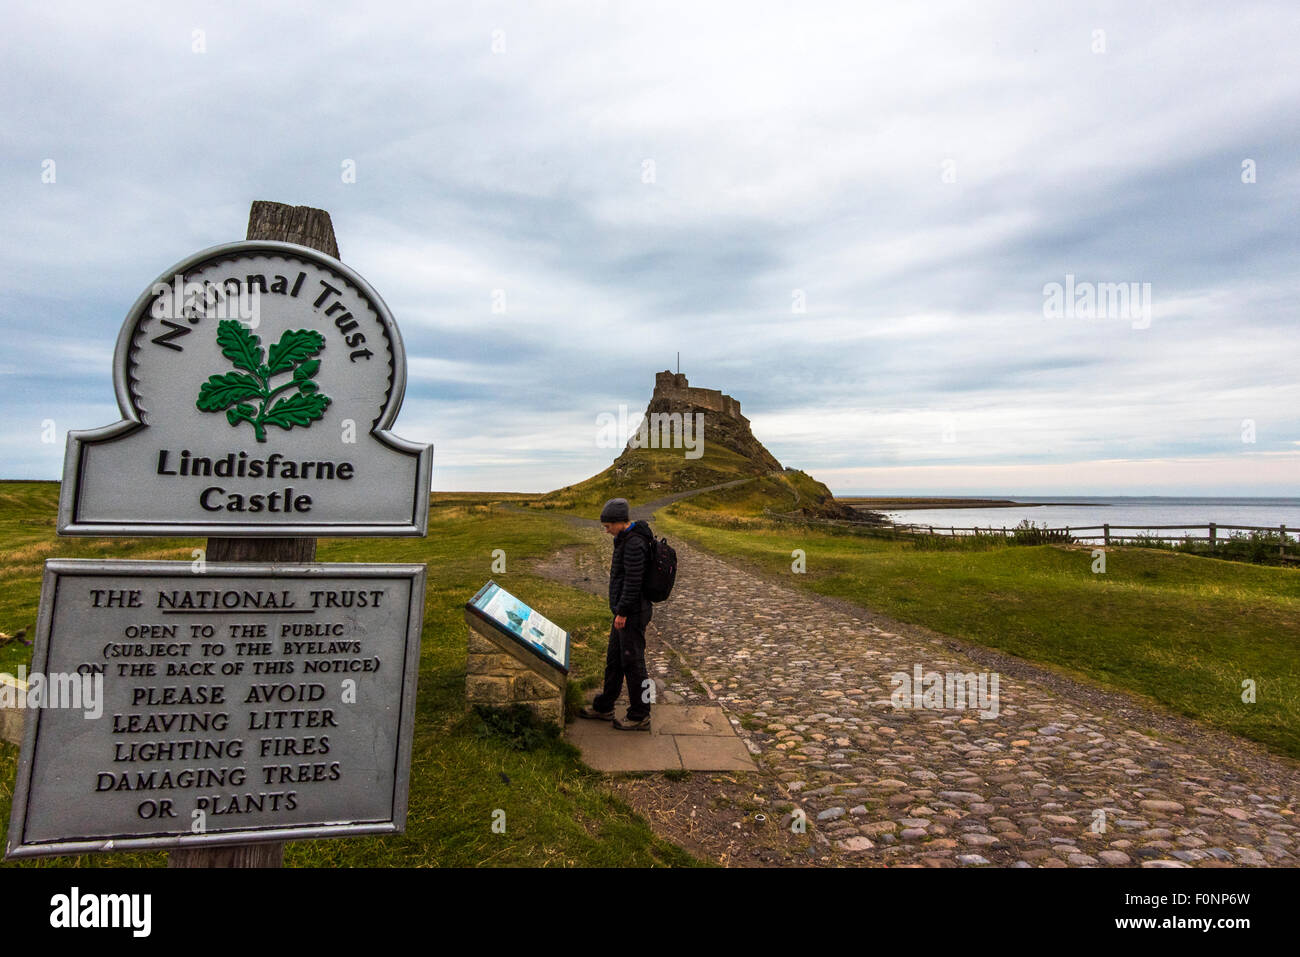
(246, 396)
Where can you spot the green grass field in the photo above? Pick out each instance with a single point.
(1178, 629)
(557, 812)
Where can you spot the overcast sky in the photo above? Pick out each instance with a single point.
(844, 215)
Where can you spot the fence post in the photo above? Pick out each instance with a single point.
(1281, 545)
(1214, 535)
(1106, 533)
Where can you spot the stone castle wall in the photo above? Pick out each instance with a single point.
(674, 387)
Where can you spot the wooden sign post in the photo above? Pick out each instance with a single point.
(306, 227)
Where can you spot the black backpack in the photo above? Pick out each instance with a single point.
(661, 571)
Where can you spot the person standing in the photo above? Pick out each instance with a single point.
(625, 655)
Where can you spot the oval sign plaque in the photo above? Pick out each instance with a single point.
(257, 382)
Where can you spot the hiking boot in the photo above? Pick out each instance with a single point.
(596, 715)
(633, 724)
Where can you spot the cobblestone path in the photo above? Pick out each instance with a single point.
(1061, 776)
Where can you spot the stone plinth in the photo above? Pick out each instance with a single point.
(500, 672)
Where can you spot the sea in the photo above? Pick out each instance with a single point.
(1141, 511)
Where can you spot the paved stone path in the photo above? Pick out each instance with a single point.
(683, 737)
(1060, 777)
(810, 685)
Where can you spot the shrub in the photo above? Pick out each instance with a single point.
(1027, 533)
(515, 726)
(1262, 548)
(976, 542)
(1149, 541)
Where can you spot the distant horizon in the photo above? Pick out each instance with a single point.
(888, 493)
(1054, 495)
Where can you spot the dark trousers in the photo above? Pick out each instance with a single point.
(625, 662)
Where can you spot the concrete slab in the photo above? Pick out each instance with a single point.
(606, 749)
(706, 719)
(694, 737)
(705, 753)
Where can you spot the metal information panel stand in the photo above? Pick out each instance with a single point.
(511, 617)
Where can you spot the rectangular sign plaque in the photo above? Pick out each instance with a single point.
(188, 705)
(512, 617)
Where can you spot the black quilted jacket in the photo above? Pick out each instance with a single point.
(627, 571)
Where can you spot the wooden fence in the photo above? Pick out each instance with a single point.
(1106, 533)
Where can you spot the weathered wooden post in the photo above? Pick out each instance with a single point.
(314, 229)
(1106, 533)
(1214, 535)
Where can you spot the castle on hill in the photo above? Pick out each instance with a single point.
(673, 387)
(720, 417)
(709, 417)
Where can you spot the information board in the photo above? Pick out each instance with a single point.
(512, 617)
(190, 704)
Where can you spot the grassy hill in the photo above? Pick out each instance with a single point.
(643, 475)
(646, 475)
(726, 451)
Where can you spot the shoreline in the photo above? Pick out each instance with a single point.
(903, 504)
